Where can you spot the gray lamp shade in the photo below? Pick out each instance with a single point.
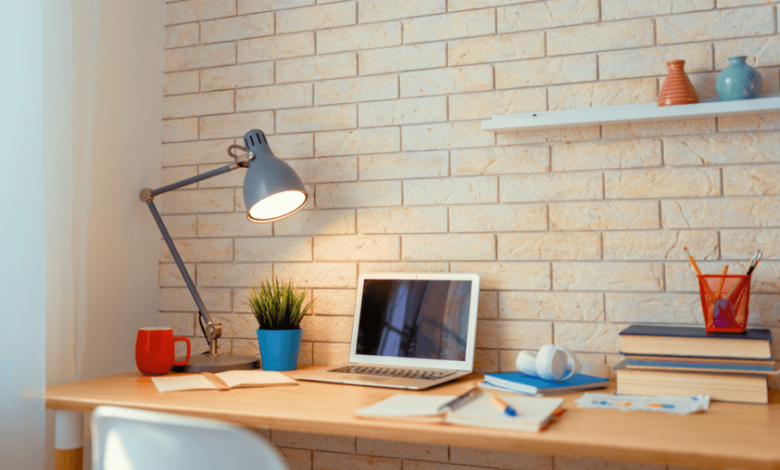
(272, 189)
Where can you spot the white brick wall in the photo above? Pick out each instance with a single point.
(377, 103)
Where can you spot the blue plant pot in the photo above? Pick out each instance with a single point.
(738, 81)
(279, 348)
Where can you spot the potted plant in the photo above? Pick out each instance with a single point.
(278, 308)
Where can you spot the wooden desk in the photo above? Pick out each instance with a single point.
(727, 436)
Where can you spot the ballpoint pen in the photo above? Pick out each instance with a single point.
(461, 400)
(504, 406)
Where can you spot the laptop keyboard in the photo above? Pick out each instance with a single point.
(421, 374)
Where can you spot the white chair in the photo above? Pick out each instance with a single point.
(128, 439)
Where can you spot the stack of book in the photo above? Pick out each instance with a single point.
(682, 361)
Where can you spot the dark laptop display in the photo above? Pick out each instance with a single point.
(425, 319)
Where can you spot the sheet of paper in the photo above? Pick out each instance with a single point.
(399, 406)
(675, 405)
(182, 382)
(237, 378)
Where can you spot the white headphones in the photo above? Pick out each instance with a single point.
(550, 363)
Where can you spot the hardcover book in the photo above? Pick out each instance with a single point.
(695, 342)
(722, 387)
(690, 364)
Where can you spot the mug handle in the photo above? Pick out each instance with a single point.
(187, 359)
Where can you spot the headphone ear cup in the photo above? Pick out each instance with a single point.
(526, 363)
(550, 363)
(573, 365)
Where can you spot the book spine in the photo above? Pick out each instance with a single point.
(508, 384)
(682, 357)
(698, 366)
(743, 389)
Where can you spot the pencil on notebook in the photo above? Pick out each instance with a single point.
(504, 406)
(219, 383)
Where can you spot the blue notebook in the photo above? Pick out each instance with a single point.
(520, 383)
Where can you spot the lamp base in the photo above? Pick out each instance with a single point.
(208, 363)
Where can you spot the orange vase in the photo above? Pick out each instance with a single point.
(677, 88)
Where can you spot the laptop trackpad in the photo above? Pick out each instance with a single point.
(366, 378)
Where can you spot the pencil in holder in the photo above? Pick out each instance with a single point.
(725, 302)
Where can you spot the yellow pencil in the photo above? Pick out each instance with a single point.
(704, 284)
(687, 254)
(722, 280)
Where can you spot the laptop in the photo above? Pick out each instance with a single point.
(410, 331)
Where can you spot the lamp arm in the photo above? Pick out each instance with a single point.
(211, 331)
(242, 161)
(147, 194)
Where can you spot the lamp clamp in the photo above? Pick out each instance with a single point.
(213, 331)
(241, 160)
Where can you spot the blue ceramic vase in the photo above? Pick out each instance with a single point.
(279, 348)
(738, 81)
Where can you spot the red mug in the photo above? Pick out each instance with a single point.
(154, 351)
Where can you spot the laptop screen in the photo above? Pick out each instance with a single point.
(414, 318)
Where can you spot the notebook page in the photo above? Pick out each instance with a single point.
(528, 408)
(532, 413)
(254, 378)
(182, 382)
(405, 406)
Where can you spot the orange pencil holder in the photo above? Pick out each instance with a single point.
(725, 301)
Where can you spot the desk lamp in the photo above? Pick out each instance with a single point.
(272, 191)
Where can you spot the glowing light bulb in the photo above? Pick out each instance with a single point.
(277, 206)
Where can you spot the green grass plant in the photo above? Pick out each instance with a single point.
(278, 306)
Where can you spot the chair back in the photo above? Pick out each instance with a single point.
(129, 439)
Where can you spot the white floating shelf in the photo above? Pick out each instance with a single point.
(626, 114)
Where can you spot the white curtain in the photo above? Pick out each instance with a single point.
(71, 34)
(102, 274)
(81, 135)
(22, 258)
(103, 144)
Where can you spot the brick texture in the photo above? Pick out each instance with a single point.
(377, 105)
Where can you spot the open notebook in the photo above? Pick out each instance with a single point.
(533, 413)
(232, 378)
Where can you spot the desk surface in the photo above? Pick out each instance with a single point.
(727, 436)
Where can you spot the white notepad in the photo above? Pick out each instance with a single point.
(232, 378)
(533, 413)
